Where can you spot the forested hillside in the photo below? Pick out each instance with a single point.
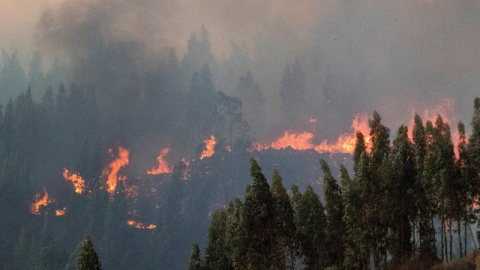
(410, 198)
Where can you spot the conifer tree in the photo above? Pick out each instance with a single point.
(259, 221)
(195, 262)
(88, 258)
(400, 201)
(376, 174)
(310, 221)
(334, 210)
(284, 251)
(216, 256)
(425, 227)
(236, 234)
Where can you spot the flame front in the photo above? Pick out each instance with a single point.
(162, 163)
(140, 225)
(77, 181)
(113, 169)
(303, 141)
(40, 201)
(209, 147)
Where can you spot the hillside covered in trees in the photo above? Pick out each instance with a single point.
(410, 199)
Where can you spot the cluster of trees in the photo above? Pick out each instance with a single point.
(410, 198)
(14, 78)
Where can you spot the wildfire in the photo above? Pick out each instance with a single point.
(162, 163)
(446, 109)
(186, 171)
(40, 201)
(113, 169)
(209, 147)
(303, 141)
(60, 212)
(77, 181)
(141, 225)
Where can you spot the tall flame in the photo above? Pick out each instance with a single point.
(77, 181)
(40, 201)
(303, 141)
(209, 147)
(140, 225)
(162, 163)
(113, 169)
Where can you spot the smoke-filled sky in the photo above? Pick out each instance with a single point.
(393, 56)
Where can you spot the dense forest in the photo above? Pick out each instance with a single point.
(140, 168)
(413, 198)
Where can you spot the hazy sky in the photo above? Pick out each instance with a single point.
(418, 51)
(18, 19)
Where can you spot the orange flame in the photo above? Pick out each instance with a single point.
(40, 201)
(140, 225)
(209, 147)
(76, 180)
(303, 141)
(113, 169)
(60, 212)
(446, 109)
(312, 120)
(162, 163)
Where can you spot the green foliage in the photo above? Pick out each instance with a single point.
(259, 210)
(216, 251)
(88, 258)
(284, 226)
(195, 262)
(310, 221)
(334, 210)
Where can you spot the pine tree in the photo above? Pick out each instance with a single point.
(284, 251)
(400, 201)
(465, 183)
(195, 262)
(335, 211)
(357, 251)
(236, 234)
(216, 252)
(310, 221)
(424, 218)
(259, 221)
(88, 258)
(375, 198)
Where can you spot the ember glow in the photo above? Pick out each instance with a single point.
(40, 201)
(162, 163)
(77, 181)
(60, 212)
(209, 147)
(112, 171)
(312, 120)
(304, 141)
(141, 225)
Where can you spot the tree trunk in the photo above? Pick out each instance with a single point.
(451, 239)
(459, 232)
(441, 239)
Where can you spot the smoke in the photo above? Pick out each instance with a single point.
(393, 56)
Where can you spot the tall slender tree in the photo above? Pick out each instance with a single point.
(284, 226)
(259, 210)
(334, 209)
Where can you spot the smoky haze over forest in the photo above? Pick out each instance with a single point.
(172, 98)
(336, 58)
